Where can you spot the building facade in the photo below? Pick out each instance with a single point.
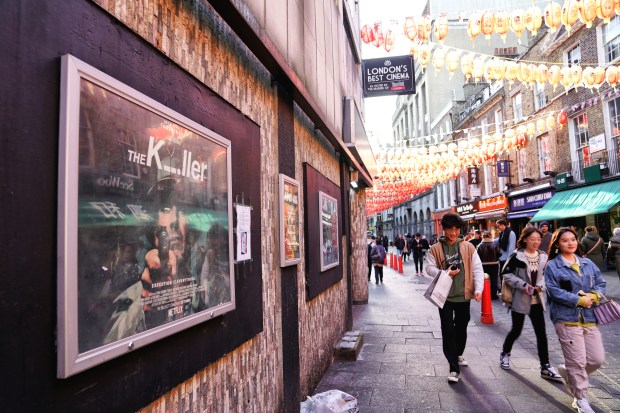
(269, 84)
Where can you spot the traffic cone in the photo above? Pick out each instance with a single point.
(400, 264)
(391, 261)
(486, 316)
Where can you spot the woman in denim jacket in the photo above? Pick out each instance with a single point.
(574, 285)
(523, 272)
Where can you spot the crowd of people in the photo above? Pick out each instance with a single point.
(558, 273)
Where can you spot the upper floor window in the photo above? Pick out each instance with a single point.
(611, 39)
(580, 124)
(573, 56)
(499, 121)
(540, 98)
(517, 106)
(614, 116)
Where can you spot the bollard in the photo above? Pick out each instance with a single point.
(486, 316)
(400, 264)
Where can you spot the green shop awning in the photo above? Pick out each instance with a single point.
(579, 202)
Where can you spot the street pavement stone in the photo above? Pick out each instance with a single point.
(401, 367)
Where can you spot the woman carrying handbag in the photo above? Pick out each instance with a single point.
(574, 286)
(523, 272)
(592, 246)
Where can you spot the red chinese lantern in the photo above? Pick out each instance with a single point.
(390, 36)
(367, 34)
(562, 118)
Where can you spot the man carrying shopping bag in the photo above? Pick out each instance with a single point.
(462, 263)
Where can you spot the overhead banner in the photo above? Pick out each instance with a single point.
(388, 76)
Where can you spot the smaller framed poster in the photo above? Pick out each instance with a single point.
(290, 251)
(328, 211)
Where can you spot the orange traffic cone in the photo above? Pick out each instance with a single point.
(391, 261)
(400, 264)
(486, 316)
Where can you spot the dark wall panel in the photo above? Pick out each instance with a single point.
(33, 36)
(317, 281)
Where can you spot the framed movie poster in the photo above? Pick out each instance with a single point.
(328, 213)
(290, 251)
(144, 220)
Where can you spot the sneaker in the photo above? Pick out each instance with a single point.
(582, 405)
(462, 361)
(550, 373)
(453, 377)
(504, 361)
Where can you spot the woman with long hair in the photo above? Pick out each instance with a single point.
(523, 272)
(574, 286)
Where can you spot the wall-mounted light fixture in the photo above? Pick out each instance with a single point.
(550, 173)
(528, 180)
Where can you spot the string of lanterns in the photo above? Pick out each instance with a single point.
(486, 22)
(406, 172)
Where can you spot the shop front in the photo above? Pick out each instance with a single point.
(468, 212)
(490, 210)
(583, 206)
(526, 203)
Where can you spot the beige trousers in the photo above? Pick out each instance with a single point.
(583, 354)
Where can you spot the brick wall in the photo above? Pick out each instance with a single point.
(322, 320)
(250, 378)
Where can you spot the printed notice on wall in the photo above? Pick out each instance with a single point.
(244, 221)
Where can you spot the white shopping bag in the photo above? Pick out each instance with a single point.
(438, 290)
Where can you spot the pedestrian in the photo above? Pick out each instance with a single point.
(477, 239)
(613, 251)
(489, 255)
(377, 255)
(419, 247)
(407, 250)
(399, 243)
(434, 239)
(523, 272)
(507, 242)
(463, 264)
(385, 241)
(592, 246)
(370, 244)
(574, 285)
(546, 238)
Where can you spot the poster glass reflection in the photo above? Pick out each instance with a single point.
(328, 211)
(144, 220)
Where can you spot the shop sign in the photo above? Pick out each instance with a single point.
(503, 169)
(597, 143)
(561, 181)
(468, 208)
(532, 200)
(388, 76)
(498, 202)
(473, 176)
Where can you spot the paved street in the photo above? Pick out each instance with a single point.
(401, 367)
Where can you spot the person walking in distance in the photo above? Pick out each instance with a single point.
(377, 255)
(592, 246)
(574, 286)
(419, 247)
(463, 264)
(546, 237)
(507, 242)
(489, 255)
(613, 251)
(370, 245)
(523, 272)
